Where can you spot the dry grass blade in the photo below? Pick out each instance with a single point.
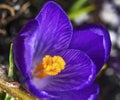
(4, 6)
(19, 13)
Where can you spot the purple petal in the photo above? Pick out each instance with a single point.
(79, 72)
(89, 93)
(95, 41)
(23, 47)
(37, 92)
(55, 30)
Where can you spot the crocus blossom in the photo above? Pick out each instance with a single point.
(58, 62)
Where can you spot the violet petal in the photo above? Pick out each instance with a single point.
(55, 30)
(95, 41)
(79, 72)
(23, 47)
(88, 93)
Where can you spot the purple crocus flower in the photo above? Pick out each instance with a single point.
(57, 62)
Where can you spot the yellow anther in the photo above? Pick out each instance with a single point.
(49, 66)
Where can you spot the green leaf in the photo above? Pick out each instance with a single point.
(77, 5)
(84, 10)
(8, 97)
(10, 71)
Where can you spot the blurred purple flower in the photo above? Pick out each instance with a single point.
(56, 61)
(114, 63)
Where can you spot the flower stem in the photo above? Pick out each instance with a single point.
(15, 92)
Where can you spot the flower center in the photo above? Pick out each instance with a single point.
(49, 66)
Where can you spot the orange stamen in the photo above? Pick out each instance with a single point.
(38, 68)
(41, 75)
(49, 66)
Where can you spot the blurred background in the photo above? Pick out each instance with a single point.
(15, 13)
